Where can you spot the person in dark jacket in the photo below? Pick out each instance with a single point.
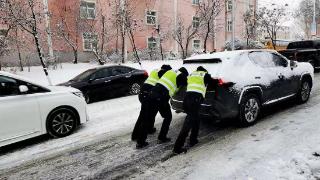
(160, 95)
(147, 86)
(196, 90)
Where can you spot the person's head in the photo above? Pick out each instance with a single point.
(184, 71)
(200, 68)
(166, 67)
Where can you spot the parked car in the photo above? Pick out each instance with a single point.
(108, 81)
(248, 80)
(28, 109)
(304, 51)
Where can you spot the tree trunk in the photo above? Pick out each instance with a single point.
(206, 37)
(103, 35)
(161, 50)
(134, 46)
(75, 53)
(123, 48)
(20, 59)
(45, 70)
(19, 52)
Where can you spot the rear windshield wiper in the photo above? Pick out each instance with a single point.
(202, 61)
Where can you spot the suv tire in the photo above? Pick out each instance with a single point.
(250, 108)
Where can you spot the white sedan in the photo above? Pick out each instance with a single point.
(28, 109)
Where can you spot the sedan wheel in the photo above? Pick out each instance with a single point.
(249, 110)
(61, 122)
(135, 89)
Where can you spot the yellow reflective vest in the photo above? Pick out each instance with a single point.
(196, 83)
(169, 80)
(153, 78)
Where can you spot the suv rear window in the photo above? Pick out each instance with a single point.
(202, 61)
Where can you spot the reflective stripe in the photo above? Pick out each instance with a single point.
(169, 80)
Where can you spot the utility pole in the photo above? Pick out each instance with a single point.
(175, 11)
(314, 23)
(48, 29)
(233, 25)
(123, 19)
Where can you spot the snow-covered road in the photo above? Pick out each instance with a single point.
(280, 146)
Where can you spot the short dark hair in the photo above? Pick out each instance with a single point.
(184, 71)
(200, 68)
(166, 67)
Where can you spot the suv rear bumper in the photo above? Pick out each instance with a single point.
(206, 110)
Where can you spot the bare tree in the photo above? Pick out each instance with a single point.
(251, 24)
(4, 43)
(208, 12)
(184, 33)
(126, 24)
(304, 15)
(27, 16)
(68, 26)
(271, 21)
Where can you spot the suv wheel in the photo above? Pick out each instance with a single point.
(61, 122)
(304, 92)
(250, 108)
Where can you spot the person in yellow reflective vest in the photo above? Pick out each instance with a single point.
(147, 86)
(160, 95)
(196, 91)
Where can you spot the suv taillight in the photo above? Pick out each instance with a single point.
(146, 73)
(225, 84)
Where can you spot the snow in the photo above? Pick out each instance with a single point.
(237, 67)
(107, 118)
(69, 71)
(280, 146)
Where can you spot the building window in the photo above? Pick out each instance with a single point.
(152, 43)
(229, 26)
(196, 44)
(87, 10)
(195, 22)
(90, 41)
(195, 2)
(151, 17)
(229, 5)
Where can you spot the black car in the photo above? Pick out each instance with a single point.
(248, 80)
(108, 81)
(304, 51)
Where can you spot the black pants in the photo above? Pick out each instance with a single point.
(157, 102)
(191, 105)
(143, 98)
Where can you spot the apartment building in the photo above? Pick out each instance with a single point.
(83, 25)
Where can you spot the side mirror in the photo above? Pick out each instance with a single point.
(23, 88)
(293, 64)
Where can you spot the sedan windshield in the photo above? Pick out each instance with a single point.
(83, 76)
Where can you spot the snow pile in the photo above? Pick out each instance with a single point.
(69, 71)
(237, 67)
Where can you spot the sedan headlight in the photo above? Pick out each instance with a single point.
(79, 94)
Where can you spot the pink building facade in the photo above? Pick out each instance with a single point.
(91, 24)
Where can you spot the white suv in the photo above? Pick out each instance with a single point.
(28, 109)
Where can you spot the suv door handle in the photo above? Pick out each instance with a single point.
(107, 81)
(281, 76)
